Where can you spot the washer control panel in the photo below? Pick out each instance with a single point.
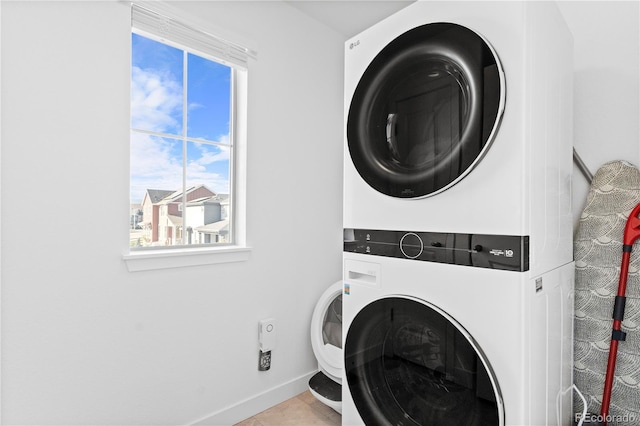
(506, 252)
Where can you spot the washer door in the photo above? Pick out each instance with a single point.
(425, 110)
(409, 363)
(326, 332)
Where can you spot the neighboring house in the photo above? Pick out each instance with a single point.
(216, 232)
(164, 220)
(151, 212)
(208, 220)
(135, 216)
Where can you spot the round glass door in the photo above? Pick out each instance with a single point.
(425, 110)
(326, 332)
(409, 363)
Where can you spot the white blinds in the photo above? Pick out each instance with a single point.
(186, 36)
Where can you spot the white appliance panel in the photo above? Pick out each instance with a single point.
(521, 323)
(522, 185)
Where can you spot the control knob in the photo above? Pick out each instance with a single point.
(411, 245)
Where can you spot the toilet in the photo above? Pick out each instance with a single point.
(326, 340)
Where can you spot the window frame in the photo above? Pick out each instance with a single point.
(162, 257)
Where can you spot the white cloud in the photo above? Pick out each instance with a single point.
(151, 156)
(206, 167)
(153, 165)
(156, 100)
(210, 154)
(193, 106)
(156, 163)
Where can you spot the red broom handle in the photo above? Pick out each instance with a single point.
(613, 348)
(631, 233)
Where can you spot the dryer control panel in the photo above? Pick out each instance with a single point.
(506, 252)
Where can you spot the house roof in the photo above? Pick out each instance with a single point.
(157, 195)
(218, 198)
(177, 195)
(215, 227)
(201, 200)
(161, 195)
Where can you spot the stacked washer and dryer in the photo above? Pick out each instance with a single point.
(458, 266)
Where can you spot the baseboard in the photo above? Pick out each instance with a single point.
(256, 404)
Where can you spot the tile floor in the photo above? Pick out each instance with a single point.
(300, 410)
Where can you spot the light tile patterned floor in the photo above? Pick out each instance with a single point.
(300, 410)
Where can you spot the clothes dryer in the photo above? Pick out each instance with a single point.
(458, 119)
(326, 341)
(431, 343)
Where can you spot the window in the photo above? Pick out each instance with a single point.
(188, 102)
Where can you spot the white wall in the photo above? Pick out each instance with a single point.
(87, 342)
(607, 84)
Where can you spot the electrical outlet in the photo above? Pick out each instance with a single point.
(267, 334)
(264, 361)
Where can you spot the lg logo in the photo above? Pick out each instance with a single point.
(354, 44)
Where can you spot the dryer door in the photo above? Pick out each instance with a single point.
(408, 363)
(326, 332)
(425, 110)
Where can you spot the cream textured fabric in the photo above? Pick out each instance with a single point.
(614, 192)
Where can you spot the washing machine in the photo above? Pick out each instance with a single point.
(431, 343)
(458, 118)
(458, 273)
(326, 341)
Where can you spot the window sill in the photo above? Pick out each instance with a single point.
(177, 258)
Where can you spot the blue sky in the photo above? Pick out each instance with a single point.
(157, 103)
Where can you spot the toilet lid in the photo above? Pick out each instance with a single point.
(326, 332)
